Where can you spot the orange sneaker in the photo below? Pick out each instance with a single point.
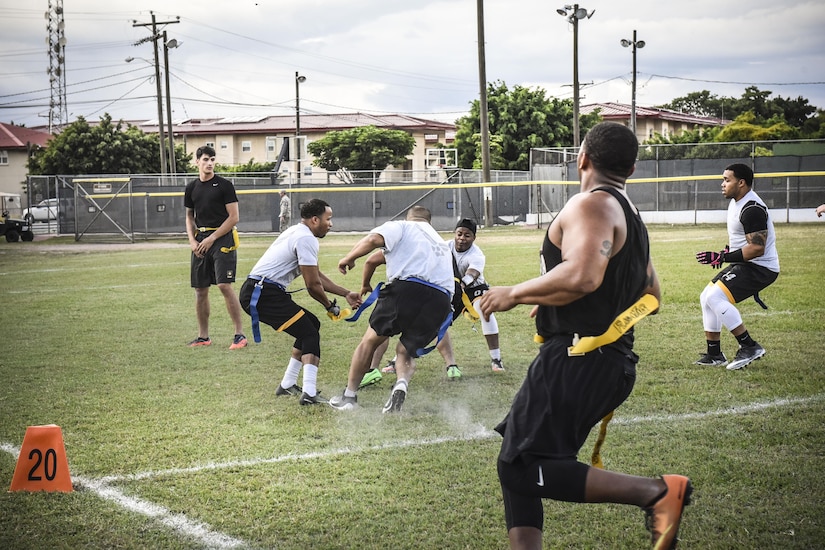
(238, 342)
(664, 516)
(200, 341)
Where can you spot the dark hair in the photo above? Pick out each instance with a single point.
(312, 208)
(207, 150)
(612, 148)
(467, 223)
(742, 172)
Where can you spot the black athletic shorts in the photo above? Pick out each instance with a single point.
(563, 397)
(414, 310)
(741, 281)
(277, 309)
(215, 266)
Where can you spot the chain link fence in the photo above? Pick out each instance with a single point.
(685, 189)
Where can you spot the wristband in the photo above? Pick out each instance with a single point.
(734, 256)
(333, 309)
(467, 280)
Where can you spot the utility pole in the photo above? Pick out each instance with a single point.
(154, 38)
(482, 111)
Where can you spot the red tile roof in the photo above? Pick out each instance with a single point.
(17, 137)
(622, 111)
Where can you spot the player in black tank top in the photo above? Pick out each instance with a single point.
(597, 263)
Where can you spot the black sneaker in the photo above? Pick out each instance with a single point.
(294, 389)
(746, 355)
(344, 403)
(395, 402)
(307, 399)
(709, 360)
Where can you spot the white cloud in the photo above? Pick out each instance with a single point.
(399, 56)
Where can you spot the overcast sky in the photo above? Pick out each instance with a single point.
(417, 57)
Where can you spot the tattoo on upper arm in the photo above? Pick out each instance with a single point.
(758, 238)
(607, 248)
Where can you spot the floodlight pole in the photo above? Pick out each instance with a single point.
(298, 80)
(573, 14)
(636, 44)
(166, 46)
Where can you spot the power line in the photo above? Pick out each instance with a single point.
(739, 83)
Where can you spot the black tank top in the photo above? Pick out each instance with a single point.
(623, 284)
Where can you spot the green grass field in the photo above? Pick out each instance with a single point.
(172, 447)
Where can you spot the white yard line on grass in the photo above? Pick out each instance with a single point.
(212, 539)
(480, 433)
(178, 522)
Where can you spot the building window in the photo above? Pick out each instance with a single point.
(210, 144)
(4, 158)
(224, 145)
(246, 146)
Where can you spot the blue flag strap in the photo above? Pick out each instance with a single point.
(253, 311)
(365, 304)
(253, 303)
(441, 332)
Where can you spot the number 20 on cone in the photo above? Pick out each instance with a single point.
(42, 464)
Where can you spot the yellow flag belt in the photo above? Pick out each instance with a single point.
(643, 307)
(235, 238)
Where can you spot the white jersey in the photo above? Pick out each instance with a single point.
(740, 220)
(415, 249)
(472, 258)
(294, 247)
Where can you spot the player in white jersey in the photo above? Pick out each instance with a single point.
(468, 272)
(754, 264)
(415, 303)
(265, 298)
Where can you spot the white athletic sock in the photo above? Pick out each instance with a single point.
(401, 384)
(310, 379)
(495, 354)
(291, 374)
(349, 393)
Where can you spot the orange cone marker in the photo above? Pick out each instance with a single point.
(42, 464)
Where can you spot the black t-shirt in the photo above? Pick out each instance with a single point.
(209, 200)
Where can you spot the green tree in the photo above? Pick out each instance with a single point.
(104, 148)
(745, 128)
(814, 127)
(698, 103)
(362, 148)
(519, 120)
(795, 112)
(246, 168)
